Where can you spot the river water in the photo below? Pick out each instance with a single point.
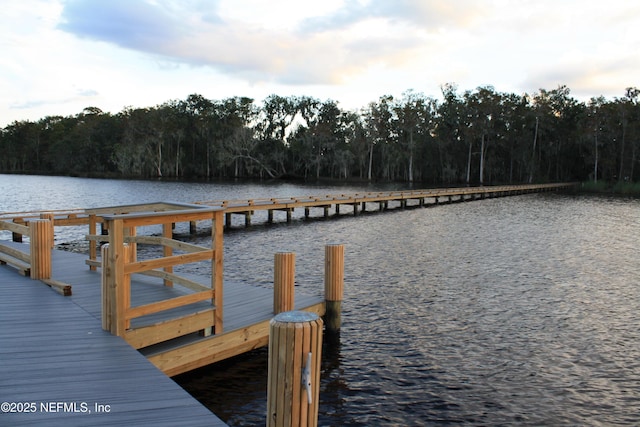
(514, 311)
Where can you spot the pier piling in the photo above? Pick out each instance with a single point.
(293, 379)
(284, 272)
(333, 286)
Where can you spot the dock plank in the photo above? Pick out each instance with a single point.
(52, 350)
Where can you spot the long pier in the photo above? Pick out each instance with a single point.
(345, 203)
(177, 321)
(356, 203)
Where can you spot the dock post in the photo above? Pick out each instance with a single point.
(270, 216)
(41, 237)
(104, 228)
(51, 219)
(17, 237)
(293, 379)
(289, 213)
(284, 272)
(227, 220)
(109, 293)
(307, 212)
(192, 228)
(333, 285)
(106, 291)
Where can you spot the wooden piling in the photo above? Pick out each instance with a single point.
(106, 291)
(51, 219)
(41, 234)
(284, 272)
(333, 286)
(111, 291)
(293, 380)
(17, 237)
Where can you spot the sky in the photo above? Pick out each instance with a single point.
(58, 57)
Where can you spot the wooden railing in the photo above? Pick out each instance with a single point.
(37, 262)
(120, 262)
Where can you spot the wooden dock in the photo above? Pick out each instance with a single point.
(336, 204)
(59, 368)
(118, 303)
(247, 312)
(356, 203)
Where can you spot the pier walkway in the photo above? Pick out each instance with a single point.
(247, 311)
(59, 368)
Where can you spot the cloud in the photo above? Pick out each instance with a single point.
(200, 36)
(424, 14)
(82, 95)
(126, 23)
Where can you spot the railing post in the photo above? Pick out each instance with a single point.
(41, 238)
(293, 379)
(284, 272)
(17, 237)
(106, 290)
(114, 291)
(116, 279)
(167, 233)
(333, 286)
(51, 219)
(217, 244)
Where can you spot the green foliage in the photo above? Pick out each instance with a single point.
(595, 187)
(627, 188)
(479, 136)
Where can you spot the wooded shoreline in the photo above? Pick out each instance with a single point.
(477, 137)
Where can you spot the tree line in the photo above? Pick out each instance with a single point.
(478, 136)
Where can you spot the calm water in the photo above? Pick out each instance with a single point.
(513, 311)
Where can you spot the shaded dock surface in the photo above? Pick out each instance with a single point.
(247, 312)
(59, 368)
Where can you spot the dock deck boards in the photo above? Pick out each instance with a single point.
(52, 350)
(244, 306)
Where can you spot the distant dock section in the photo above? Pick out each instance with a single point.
(356, 203)
(330, 204)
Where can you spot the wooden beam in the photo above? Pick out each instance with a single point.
(155, 307)
(62, 288)
(217, 347)
(164, 331)
(169, 261)
(189, 284)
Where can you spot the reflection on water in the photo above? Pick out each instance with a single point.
(520, 310)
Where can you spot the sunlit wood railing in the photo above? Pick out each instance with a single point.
(120, 262)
